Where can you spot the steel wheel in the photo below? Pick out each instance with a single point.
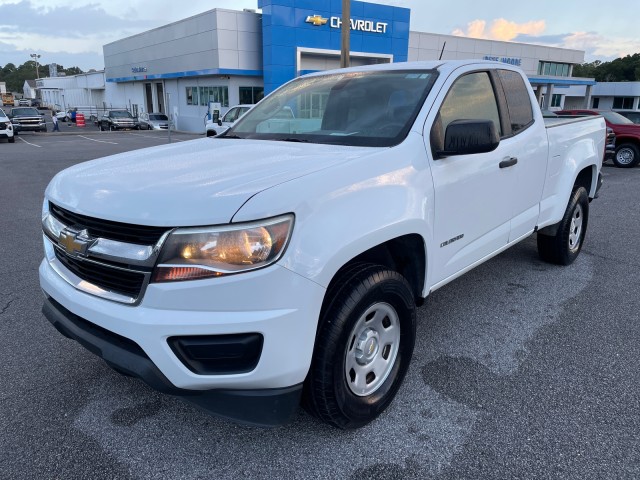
(365, 340)
(372, 349)
(575, 230)
(627, 156)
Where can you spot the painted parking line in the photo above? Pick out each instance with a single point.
(99, 141)
(155, 137)
(32, 144)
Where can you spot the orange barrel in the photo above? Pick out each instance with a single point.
(80, 120)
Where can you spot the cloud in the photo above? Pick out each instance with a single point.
(595, 45)
(68, 35)
(500, 29)
(63, 20)
(84, 60)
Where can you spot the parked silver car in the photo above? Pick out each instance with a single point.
(153, 121)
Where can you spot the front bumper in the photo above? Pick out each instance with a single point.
(274, 302)
(257, 407)
(29, 127)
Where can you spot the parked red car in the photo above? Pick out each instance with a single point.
(627, 153)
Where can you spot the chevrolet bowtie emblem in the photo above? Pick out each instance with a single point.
(317, 20)
(74, 242)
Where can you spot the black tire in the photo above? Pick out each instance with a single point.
(211, 133)
(627, 155)
(12, 139)
(329, 389)
(149, 127)
(101, 127)
(564, 247)
(112, 128)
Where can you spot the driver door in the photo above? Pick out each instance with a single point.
(472, 211)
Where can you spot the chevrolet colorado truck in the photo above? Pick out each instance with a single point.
(283, 263)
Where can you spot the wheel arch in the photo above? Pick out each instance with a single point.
(405, 254)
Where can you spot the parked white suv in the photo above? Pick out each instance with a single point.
(6, 128)
(227, 121)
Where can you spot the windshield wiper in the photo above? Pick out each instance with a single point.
(229, 136)
(291, 139)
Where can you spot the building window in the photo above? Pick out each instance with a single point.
(214, 94)
(204, 95)
(251, 95)
(595, 103)
(312, 105)
(556, 100)
(192, 95)
(623, 102)
(554, 69)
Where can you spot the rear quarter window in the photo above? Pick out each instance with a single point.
(518, 101)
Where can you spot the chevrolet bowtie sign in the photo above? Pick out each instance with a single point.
(357, 25)
(317, 20)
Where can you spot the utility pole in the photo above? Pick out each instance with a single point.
(346, 31)
(35, 56)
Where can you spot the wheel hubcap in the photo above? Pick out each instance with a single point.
(624, 156)
(372, 349)
(575, 228)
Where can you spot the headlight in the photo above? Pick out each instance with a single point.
(194, 253)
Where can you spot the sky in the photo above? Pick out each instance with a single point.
(72, 32)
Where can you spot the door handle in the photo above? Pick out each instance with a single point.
(508, 162)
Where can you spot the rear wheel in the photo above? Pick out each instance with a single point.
(12, 139)
(626, 156)
(364, 345)
(563, 247)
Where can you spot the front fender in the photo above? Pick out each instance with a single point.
(351, 207)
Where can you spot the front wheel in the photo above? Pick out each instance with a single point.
(12, 139)
(364, 345)
(563, 247)
(626, 156)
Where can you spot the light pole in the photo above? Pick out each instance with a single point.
(346, 31)
(35, 56)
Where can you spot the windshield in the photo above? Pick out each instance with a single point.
(24, 112)
(158, 117)
(120, 114)
(375, 108)
(616, 118)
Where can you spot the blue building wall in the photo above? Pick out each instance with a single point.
(284, 28)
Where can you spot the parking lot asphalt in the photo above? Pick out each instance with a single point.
(521, 369)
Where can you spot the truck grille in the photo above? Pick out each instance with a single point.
(108, 267)
(124, 282)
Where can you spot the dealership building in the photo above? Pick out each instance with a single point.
(231, 57)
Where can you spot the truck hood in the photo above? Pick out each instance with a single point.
(200, 182)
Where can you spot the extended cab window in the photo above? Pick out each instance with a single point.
(471, 98)
(518, 101)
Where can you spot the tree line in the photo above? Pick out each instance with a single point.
(625, 69)
(14, 76)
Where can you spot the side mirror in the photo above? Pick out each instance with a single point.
(465, 137)
(219, 122)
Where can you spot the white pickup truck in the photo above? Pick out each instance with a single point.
(284, 261)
